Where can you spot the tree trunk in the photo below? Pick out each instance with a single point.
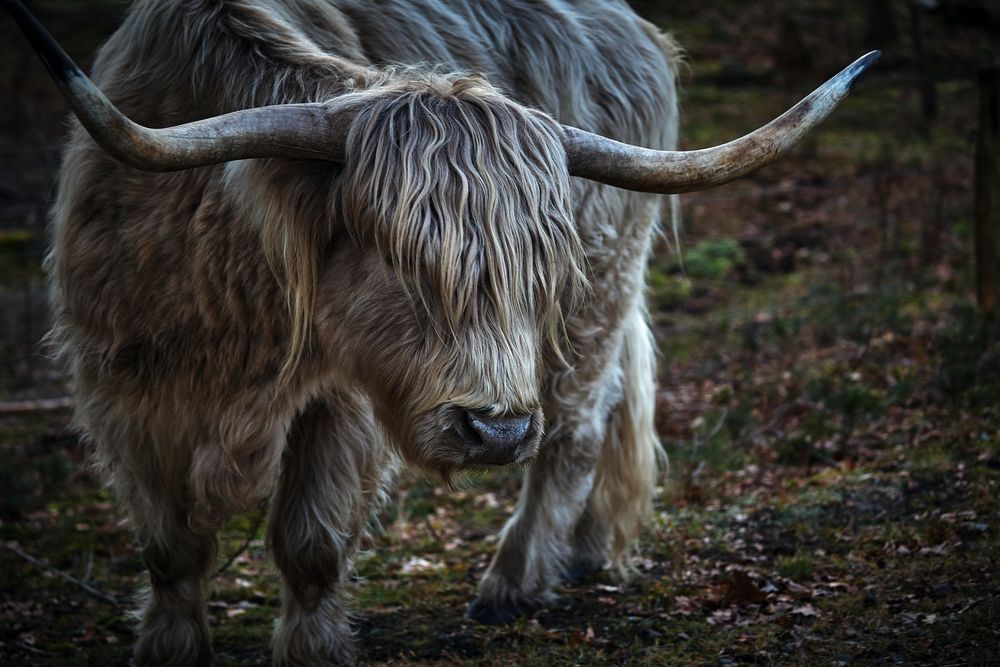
(928, 92)
(988, 189)
(882, 30)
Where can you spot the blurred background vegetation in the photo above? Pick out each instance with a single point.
(828, 388)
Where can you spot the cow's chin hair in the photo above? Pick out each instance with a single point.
(431, 444)
(428, 443)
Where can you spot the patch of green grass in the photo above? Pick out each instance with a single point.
(798, 567)
(711, 259)
(696, 462)
(667, 291)
(968, 354)
(20, 258)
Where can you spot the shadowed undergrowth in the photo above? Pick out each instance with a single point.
(828, 398)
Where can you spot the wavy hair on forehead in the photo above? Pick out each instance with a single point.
(466, 195)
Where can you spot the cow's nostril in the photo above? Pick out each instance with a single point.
(504, 431)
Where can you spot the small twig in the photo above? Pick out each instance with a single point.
(90, 564)
(41, 405)
(17, 551)
(860, 355)
(778, 413)
(23, 645)
(251, 535)
(430, 527)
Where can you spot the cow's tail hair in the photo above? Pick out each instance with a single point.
(631, 459)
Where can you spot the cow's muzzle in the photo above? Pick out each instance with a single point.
(498, 440)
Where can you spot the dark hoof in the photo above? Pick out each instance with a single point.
(580, 571)
(488, 614)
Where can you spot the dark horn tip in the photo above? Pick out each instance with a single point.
(862, 65)
(869, 58)
(55, 59)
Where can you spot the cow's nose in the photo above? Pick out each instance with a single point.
(500, 432)
(502, 439)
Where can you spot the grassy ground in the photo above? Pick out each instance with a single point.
(892, 560)
(828, 397)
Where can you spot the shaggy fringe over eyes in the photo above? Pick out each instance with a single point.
(466, 195)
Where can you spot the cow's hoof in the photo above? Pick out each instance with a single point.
(170, 638)
(581, 570)
(488, 613)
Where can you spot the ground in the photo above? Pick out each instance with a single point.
(827, 396)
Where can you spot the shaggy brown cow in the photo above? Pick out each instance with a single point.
(382, 254)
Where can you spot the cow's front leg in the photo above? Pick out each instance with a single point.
(332, 469)
(587, 494)
(535, 544)
(173, 628)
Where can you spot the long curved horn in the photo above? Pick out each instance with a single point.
(312, 130)
(598, 158)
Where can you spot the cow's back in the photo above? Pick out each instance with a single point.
(157, 271)
(589, 63)
(592, 64)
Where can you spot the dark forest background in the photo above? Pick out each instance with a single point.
(828, 392)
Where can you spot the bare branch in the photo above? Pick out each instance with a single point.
(251, 534)
(41, 405)
(23, 555)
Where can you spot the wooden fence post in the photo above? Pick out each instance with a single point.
(987, 224)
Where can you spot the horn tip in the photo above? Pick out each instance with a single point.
(60, 65)
(870, 58)
(860, 66)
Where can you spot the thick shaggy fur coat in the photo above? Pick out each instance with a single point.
(286, 327)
